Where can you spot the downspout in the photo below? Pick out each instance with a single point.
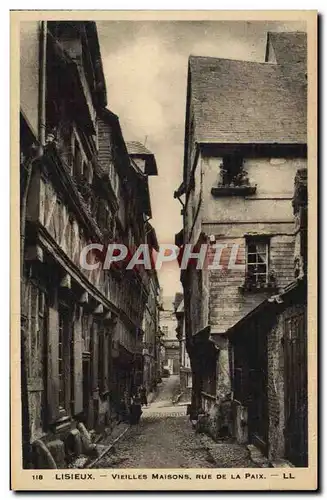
(29, 166)
(43, 74)
(41, 133)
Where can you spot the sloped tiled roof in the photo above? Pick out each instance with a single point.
(247, 102)
(289, 47)
(136, 148)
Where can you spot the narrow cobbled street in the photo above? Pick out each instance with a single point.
(164, 438)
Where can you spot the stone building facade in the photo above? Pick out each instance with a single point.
(245, 140)
(168, 324)
(81, 328)
(152, 335)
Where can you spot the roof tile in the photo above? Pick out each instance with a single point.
(136, 148)
(248, 102)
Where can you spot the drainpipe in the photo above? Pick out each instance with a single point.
(29, 167)
(43, 71)
(41, 133)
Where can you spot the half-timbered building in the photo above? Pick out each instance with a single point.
(81, 325)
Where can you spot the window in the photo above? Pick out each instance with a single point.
(164, 329)
(77, 161)
(103, 215)
(232, 171)
(257, 261)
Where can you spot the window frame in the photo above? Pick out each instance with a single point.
(256, 241)
(165, 329)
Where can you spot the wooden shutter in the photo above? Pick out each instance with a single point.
(53, 372)
(101, 359)
(94, 354)
(78, 362)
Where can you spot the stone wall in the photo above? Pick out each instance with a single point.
(277, 378)
(275, 349)
(210, 423)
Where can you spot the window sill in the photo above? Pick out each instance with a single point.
(227, 190)
(262, 287)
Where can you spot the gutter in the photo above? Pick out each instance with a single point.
(26, 438)
(42, 87)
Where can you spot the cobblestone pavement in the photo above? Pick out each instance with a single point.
(164, 438)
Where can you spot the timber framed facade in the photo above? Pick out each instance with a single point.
(82, 330)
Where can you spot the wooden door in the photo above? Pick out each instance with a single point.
(258, 399)
(296, 395)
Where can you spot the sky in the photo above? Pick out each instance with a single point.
(145, 68)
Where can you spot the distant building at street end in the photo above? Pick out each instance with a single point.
(151, 328)
(185, 371)
(168, 324)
